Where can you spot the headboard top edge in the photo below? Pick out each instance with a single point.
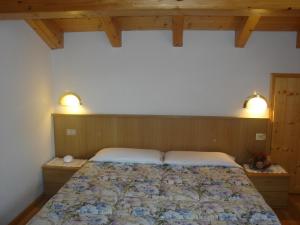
(157, 116)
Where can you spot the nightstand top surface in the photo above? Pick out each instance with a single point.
(273, 170)
(59, 163)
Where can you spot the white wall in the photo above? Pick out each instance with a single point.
(25, 121)
(208, 76)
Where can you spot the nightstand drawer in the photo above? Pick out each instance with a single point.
(276, 199)
(51, 188)
(57, 176)
(270, 183)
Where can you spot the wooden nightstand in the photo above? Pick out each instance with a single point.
(272, 186)
(56, 173)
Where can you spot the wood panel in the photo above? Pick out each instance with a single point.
(57, 175)
(177, 29)
(127, 23)
(112, 30)
(114, 25)
(278, 24)
(285, 114)
(145, 14)
(145, 22)
(55, 178)
(276, 199)
(271, 183)
(212, 22)
(78, 8)
(49, 31)
(80, 25)
(235, 136)
(243, 34)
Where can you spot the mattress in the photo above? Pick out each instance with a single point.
(148, 194)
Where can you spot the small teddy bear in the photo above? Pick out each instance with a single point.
(260, 161)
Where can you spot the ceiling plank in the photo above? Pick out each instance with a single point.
(243, 34)
(79, 8)
(298, 39)
(112, 30)
(158, 12)
(278, 24)
(177, 29)
(128, 23)
(49, 31)
(75, 5)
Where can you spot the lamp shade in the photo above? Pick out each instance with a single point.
(256, 103)
(70, 99)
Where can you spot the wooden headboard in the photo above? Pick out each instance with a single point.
(236, 136)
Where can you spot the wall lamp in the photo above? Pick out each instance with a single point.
(256, 103)
(70, 99)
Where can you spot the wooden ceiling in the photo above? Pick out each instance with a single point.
(51, 18)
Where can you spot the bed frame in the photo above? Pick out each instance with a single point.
(83, 135)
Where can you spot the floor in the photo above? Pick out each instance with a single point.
(288, 216)
(29, 212)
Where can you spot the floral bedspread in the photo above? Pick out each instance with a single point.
(146, 194)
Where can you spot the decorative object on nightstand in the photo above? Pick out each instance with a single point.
(272, 183)
(68, 158)
(260, 161)
(57, 172)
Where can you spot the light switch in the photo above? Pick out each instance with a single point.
(70, 132)
(260, 136)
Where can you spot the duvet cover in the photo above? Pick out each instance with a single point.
(149, 194)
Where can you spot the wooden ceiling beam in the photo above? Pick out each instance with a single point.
(75, 5)
(190, 23)
(112, 30)
(243, 34)
(177, 29)
(49, 31)
(159, 12)
(298, 39)
(43, 9)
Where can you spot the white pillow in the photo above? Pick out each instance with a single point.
(200, 158)
(131, 155)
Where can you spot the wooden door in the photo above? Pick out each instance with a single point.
(285, 115)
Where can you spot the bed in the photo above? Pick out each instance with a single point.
(118, 193)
